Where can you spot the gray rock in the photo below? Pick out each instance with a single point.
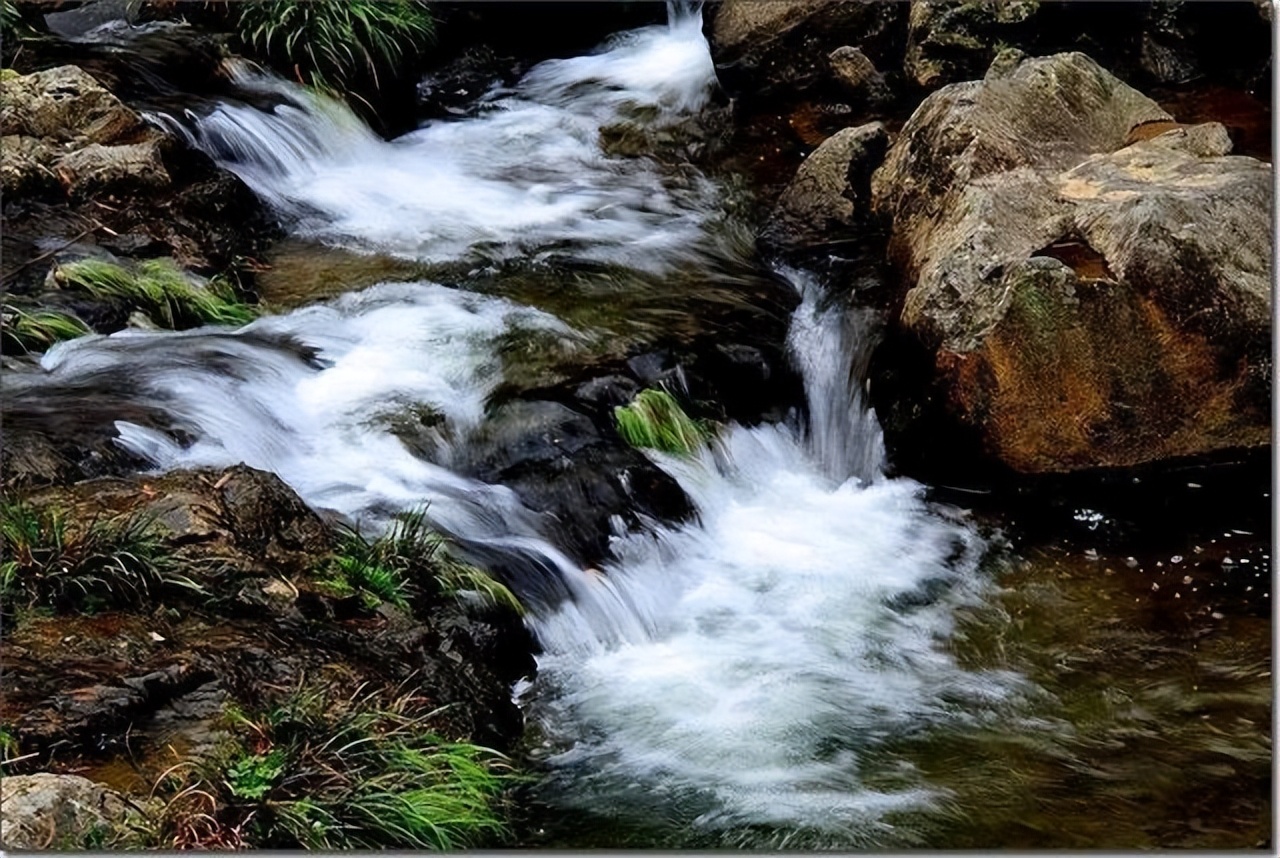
(1092, 279)
(48, 811)
(826, 199)
(26, 166)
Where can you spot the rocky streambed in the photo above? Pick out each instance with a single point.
(964, 539)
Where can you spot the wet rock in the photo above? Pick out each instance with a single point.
(952, 40)
(607, 391)
(1090, 278)
(774, 48)
(561, 464)
(830, 193)
(454, 88)
(51, 811)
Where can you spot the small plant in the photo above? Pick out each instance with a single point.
(35, 331)
(334, 41)
(409, 559)
(161, 289)
(458, 578)
(319, 772)
(47, 563)
(655, 420)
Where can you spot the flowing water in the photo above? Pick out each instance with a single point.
(823, 656)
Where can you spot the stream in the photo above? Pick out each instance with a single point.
(824, 656)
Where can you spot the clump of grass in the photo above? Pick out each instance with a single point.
(655, 420)
(410, 560)
(103, 563)
(159, 288)
(35, 331)
(460, 578)
(320, 772)
(335, 41)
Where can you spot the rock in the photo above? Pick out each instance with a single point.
(26, 167)
(830, 193)
(242, 518)
(81, 168)
(49, 811)
(951, 40)
(1091, 280)
(562, 465)
(65, 104)
(110, 169)
(454, 89)
(853, 70)
(762, 49)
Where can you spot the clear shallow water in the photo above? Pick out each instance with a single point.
(822, 658)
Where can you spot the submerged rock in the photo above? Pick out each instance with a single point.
(1091, 279)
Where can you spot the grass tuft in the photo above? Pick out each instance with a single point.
(159, 288)
(49, 564)
(410, 560)
(334, 41)
(655, 420)
(320, 772)
(35, 331)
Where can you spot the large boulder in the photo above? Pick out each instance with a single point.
(1091, 279)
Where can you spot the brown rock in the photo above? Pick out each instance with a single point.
(762, 48)
(65, 104)
(852, 68)
(826, 199)
(106, 169)
(951, 40)
(1091, 301)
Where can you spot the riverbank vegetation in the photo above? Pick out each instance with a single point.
(322, 771)
(334, 44)
(50, 563)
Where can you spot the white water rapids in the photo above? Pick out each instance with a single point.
(732, 672)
